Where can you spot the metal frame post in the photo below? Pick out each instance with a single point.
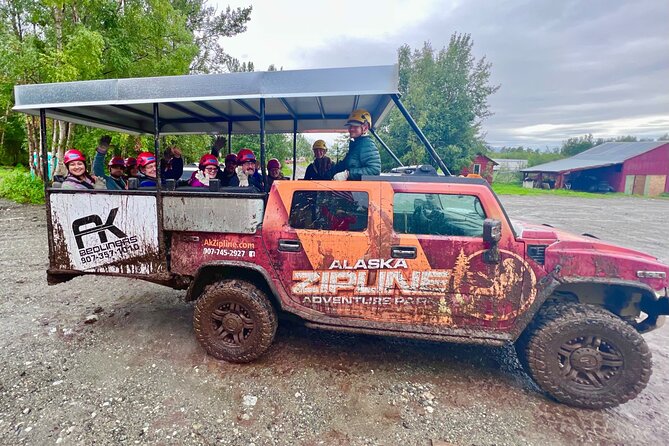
(45, 169)
(45, 159)
(385, 146)
(294, 148)
(262, 143)
(229, 137)
(421, 136)
(156, 144)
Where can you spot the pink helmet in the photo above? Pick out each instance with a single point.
(145, 158)
(130, 162)
(73, 155)
(116, 161)
(208, 160)
(231, 158)
(273, 164)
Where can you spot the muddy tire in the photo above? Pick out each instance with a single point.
(585, 356)
(234, 321)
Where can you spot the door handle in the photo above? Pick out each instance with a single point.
(290, 245)
(403, 252)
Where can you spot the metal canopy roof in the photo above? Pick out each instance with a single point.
(606, 154)
(319, 99)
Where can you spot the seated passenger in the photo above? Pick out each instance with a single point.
(171, 165)
(274, 171)
(146, 161)
(229, 171)
(363, 157)
(77, 176)
(113, 181)
(131, 170)
(246, 168)
(319, 168)
(208, 169)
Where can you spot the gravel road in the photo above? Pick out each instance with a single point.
(114, 361)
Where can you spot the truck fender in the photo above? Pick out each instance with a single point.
(212, 271)
(648, 301)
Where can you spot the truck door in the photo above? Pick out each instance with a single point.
(438, 230)
(321, 237)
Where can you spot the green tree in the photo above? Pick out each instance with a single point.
(574, 146)
(447, 93)
(66, 40)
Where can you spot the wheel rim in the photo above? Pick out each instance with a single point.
(590, 362)
(232, 324)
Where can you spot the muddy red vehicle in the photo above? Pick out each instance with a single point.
(410, 254)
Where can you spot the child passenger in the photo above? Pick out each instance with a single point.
(77, 175)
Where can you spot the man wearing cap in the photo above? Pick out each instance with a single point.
(113, 181)
(319, 168)
(363, 157)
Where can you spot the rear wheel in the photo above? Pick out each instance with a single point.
(585, 356)
(234, 321)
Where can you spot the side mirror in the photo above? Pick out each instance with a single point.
(492, 231)
(214, 185)
(133, 183)
(170, 184)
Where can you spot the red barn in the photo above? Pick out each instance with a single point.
(481, 165)
(631, 167)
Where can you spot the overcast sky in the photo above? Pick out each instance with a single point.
(566, 67)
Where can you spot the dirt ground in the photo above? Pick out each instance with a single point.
(136, 375)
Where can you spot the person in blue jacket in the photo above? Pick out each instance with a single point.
(113, 181)
(171, 167)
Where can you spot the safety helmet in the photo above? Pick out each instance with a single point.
(319, 144)
(359, 117)
(73, 155)
(145, 158)
(245, 155)
(116, 161)
(231, 158)
(130, 162)
(208, 160)
(273, 164)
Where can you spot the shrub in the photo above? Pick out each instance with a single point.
(17, 185)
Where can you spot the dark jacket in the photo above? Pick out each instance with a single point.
(254, 184)
(362, 159)
(318, 169)
(99, 171)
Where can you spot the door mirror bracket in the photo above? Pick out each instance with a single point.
(492, 233)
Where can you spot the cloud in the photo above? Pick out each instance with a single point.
(566, 68)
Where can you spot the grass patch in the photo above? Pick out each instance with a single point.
(17, 185)
(515, 189)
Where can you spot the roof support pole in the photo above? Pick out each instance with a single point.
(43, 149)
(156, 143)
(294, 148)
(45, 169)
(385, 146)
(229, 137)
(262, 142)
(419, 133)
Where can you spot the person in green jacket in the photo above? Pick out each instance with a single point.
(363, 157)
(113, 181)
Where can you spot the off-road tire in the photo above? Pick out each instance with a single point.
(234, 321)
(585, 356)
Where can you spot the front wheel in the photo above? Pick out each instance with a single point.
(585, 356)
(234, 321)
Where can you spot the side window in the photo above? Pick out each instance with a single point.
(438, 214)
(329, 210)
